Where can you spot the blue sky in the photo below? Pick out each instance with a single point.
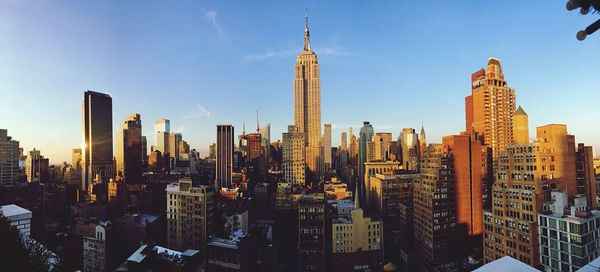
(200, 63)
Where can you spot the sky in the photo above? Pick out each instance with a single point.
(201, 63)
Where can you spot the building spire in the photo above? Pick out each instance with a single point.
(306, 35)
(257, 123)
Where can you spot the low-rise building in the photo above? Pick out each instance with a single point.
(18, 218)
(157, 258)
(356, 241)
(283, 198)
(238, 253)
(97, 249)
(568, 235)
(336, 190)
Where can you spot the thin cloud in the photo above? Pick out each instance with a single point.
(180, 129)
(327, 51)
(200, 111)
(268, 55)
(211, 16)
(330, 51)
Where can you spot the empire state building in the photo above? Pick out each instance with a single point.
(307, 101)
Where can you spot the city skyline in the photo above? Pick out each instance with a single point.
(384, 68)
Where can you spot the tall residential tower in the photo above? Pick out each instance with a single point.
(490, 107)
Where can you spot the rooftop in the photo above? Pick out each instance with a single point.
(578, 218)
(13, 210)
(593, 266)
(506, 264)
(233, 242)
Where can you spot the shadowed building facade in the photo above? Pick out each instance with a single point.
(434, 195)
(224, 156)
(448, 201)
(129, 152)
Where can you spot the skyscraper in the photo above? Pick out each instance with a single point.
(468, 158)
(144, 150)
(307, 101)
(294, 166)
(162, 129)
(435, 212)
(409, 143)
(76, 158)
(344, 141)
(129, 151)
(224, 156)
(97, 138)
(36, 167)
(491, 106)
(386, 139)
(422, 140)
(265, 133)
(326, 150)
(174, 140)
(344, 150)
(365, 136)
(9, 158)
(586, 180)
(212, 151)
(352, 149)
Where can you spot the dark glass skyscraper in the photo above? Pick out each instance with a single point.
(224, 156)
(97, 142)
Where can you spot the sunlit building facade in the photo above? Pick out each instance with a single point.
(294, 164)
(162, 129)
(307, 101)
(190, 215)
(490, 107)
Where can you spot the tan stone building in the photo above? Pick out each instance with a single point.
(189, 215)
(356, 241)
(372, 168)
(307, 101)
(336, 190)
(520, 127)
(525, 175)
(294, 149)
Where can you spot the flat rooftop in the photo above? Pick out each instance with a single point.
(506, 264)
(14, 210)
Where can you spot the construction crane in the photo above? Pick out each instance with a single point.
(584, 7)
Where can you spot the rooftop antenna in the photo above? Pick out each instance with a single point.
(257, 124)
